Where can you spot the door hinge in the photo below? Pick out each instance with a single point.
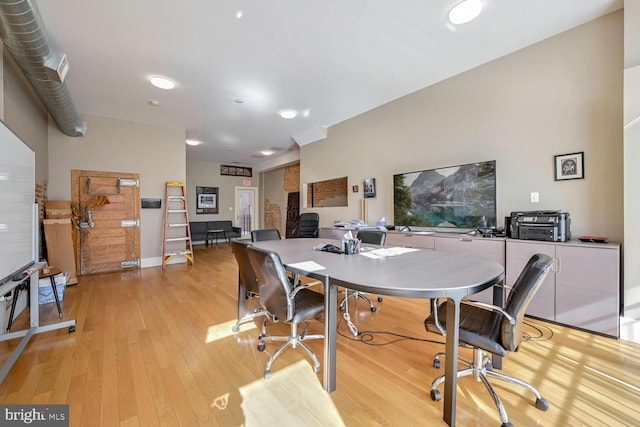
(130, 264)
(130, 223)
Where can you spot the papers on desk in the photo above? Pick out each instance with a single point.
(307, 266)
(387, 252)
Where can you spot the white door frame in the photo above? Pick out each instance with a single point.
(254, 211)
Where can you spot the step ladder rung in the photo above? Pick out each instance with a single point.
(177, 225)
(176, 197)
(176, 210)
(177, 239)
(177, 253)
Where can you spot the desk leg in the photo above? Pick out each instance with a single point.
(451, 361)
(330, 334)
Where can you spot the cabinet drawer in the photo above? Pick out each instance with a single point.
(409, 240)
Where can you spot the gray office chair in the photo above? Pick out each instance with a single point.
(372, 237)
(285, 303)
(265, 234)
(491, 329)
(308, 224)
(247, 284)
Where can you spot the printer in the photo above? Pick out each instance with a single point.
(550, 226)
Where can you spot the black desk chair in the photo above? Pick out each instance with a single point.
(491, 329)
(309, 225)
(285, 303)
(372, 237)
(249, 289)
(265, 234)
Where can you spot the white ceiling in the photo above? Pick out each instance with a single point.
(329, 59)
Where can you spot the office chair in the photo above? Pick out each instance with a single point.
(372, 237)
(491, 329)
(247, 278)
(284, 303)
(265, 234)
(308, 224)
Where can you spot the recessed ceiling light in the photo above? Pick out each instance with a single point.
(465, 11)
(266, 152)
(162, 82)
(288, 113)
(239, 14)
(154, 103)
(193, 142)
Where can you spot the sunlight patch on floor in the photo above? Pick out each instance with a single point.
(292, 397)
(224, 330)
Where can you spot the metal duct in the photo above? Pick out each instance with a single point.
(25, 37)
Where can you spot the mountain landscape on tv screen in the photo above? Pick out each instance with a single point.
(462, 196)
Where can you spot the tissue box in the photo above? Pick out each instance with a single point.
(45, 291)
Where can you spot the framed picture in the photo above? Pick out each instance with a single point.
(569, 166)
(354, 188)
(206, 200)
(369, 187)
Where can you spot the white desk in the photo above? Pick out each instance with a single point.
(418, 274)
(35, 328)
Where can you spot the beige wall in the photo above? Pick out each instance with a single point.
(25, 115)
(630, 328)
(275, 196)
(560, 96)
(156, 153)
(207, 174)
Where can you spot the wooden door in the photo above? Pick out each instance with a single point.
(109, 210)
(293, 214)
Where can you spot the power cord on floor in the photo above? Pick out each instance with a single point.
(541, 334)
(368, 337)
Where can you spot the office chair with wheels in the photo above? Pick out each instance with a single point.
(308, 224)
(284, 303)
(247, 285)
(372, 237)
(491, 329)
(265, 234)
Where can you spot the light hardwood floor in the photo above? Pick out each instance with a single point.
(154, 347)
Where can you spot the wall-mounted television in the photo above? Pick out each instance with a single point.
(460, 197)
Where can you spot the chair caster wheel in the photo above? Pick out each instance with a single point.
(436, 363)
(235, 328)
(489, 366)
(267, 375)
(508, 424)
(373, 309)
(73, 329)
(435, 395)
(379, 299)
(261, 346)
(542, 404)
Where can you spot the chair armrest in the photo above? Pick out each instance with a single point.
(298, 288)
(237, 229)
(436, 317)
(486, 306)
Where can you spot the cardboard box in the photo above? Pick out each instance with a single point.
(45, 291)
(59, 240)
(55, 209)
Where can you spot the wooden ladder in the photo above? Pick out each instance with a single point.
(177, 233)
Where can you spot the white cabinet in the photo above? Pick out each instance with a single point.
(583, 290)
(491, 249)
(335, 233)
(409, 240)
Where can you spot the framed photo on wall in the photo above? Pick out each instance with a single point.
(569, 166)
(206, 200)
(369, 187)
